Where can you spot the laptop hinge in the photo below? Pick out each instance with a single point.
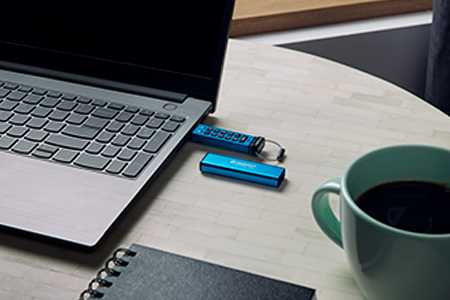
(102, 83)
(167, 95)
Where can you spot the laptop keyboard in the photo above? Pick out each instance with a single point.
(79, 131)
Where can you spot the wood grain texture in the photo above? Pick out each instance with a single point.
(254, 17)
(325, 115)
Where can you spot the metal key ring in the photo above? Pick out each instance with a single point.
(279, 156)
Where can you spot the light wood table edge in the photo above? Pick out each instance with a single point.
(243, 25)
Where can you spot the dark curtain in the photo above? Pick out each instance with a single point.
(437, 90)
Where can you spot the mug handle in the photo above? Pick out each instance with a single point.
(322, 212)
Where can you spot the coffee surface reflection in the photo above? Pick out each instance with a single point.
(417, 206)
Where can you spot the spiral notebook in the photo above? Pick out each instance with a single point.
(143, 273)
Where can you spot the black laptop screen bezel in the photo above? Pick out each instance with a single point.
(123, 76)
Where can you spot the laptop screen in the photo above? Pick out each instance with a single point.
(159, 44)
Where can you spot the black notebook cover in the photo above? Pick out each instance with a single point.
(151, 274)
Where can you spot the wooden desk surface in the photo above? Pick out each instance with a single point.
(261, 16)
(323, 113)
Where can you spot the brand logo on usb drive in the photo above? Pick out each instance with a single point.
(242, 164)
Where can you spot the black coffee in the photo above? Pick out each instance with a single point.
(417, 206)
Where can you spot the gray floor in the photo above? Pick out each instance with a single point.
(396, 55)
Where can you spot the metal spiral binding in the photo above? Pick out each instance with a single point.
(107, 271)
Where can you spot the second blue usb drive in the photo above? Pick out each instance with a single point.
(242, 169)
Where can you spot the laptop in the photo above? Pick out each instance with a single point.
(95, 97)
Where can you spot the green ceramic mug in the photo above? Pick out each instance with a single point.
(386, 262)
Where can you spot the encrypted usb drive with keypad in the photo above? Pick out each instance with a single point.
(228, 139)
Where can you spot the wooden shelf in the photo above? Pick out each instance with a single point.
(262, 16)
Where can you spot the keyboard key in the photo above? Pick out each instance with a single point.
(10, 85)
(58, 115)
(16, 96)
(178, 119)
(39, 91)
(155, 123)
(17, 131)
(19, 120)
(145, 133)
(4, 127)
(54, 94)
(36, 135)
(5, 116)
(32, 99)
(42, 154)
(105, 113)
(70, 97)
(137, 165)
(96, 123)
(37, 123)
(83, 132)
(132, 109)
(41, 112)
(95, 148)
(105, 137)
(115, 126)
(139, 120)
(120, 140)
(44, 151)
(130, 129)
(100, 103)
(4, 92)
(157, 142)
(66, 142)
(76, 119)
(161, 115)
(116, 167)
(66, 105)
(111, 151)
(147, 112)
(49, 102)
(54, 127)
(92, 161)
(8, 105)
(170, 126)
(116, 106)
(84, 109)
(7, 142)
(25, 88)
(65, 156)
(136, 143)
(124, 117)
(24, 108)
(84, 100)
(24, 147)
(126, 155)
(47, 148)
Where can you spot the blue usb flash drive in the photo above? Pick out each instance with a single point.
(242, 169)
